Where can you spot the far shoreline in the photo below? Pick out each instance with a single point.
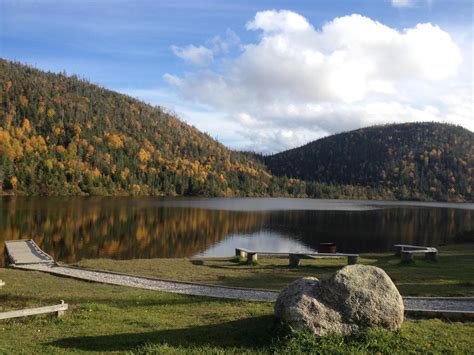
(289, 203)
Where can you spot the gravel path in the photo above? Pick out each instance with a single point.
(187, 288)
(462, 304)
(457, 304)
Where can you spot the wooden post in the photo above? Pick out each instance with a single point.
(294, 260)
(61, 311)
(240, 253)
(352, 259)
(407, 256)
(6, 257)
(398, 250)
(432, 255)
(252, 257)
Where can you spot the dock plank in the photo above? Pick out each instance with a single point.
(26, 251)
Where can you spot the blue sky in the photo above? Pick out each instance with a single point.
(134, 47)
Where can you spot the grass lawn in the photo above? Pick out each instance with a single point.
(451, 275)
(104, 318)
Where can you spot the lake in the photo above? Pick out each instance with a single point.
(75, 228)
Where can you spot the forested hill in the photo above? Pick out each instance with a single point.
(62, 135)
(414, 160)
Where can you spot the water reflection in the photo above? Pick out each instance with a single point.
(71, 229)
(373, 231)
(264, 240)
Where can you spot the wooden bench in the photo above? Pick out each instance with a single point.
(59, 309)
(251, 256)
(406, 252)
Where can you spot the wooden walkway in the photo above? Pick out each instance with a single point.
(25, 251)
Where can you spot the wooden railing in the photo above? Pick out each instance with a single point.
(59, 309)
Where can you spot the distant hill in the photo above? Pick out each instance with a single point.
(413, 160)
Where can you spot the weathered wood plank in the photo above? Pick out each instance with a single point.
(406, 252)
(294, 258)
(59, 309)
(25, 251)
(252, 257)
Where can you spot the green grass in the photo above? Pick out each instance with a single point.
(113, 319)
(451, 275)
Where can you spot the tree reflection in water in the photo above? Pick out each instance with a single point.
(74, 228)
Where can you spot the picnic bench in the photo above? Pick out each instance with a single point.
(251, 256)
(406, 252)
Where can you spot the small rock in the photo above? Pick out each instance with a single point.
(354, 298)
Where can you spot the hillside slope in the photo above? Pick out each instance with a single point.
(60, 135)
(415, 160)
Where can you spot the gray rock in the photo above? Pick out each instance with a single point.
(354, 298)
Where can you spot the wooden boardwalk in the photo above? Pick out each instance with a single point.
(25, 251)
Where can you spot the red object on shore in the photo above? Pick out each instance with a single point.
(327, 248)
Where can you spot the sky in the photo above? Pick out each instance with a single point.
(260, 75)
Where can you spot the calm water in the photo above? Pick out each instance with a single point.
(74, 228)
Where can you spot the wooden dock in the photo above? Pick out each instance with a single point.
(25, 251)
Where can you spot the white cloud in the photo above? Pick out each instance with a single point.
(204, 55)
(411, 3)
(278, 21)
(194, 55)
(403, 3)
(297, 83)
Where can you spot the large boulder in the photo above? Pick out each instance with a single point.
(354, 298)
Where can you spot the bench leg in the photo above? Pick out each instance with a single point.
(407, 256)
(241, 254)
(431, 256)
(252, 258)
(398, 251)
(294, 260)
(352, 260)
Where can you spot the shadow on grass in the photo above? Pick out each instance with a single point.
(252, 332)
(9, 298)
(128, 300)
(275, 279)
(175, 299)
